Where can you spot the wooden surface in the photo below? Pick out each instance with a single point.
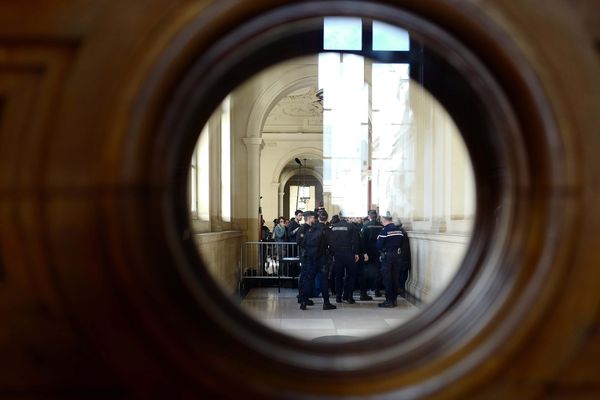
(96, 296)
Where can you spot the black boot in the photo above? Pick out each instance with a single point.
(365, 297)
(349, 300)
(308, 302)
(303, 306)
(386, 304)
(328, 306)
(377, 293)
(338, 299)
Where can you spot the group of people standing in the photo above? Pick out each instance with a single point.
(346, 248)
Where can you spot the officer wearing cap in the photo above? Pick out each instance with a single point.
(389, 243)
(325, 262)
(368, 235)
(343, 242)
(313, 242)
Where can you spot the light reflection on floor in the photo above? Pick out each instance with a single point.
(281, 312)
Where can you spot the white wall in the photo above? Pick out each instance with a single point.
(435, 258)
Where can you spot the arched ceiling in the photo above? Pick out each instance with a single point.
(310, 166)
(299, 111)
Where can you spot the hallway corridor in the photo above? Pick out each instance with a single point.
(348, 322)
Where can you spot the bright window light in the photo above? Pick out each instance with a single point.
(392, 122)
(193, 184)
(388, 37)
(342, 78)
(225, 161)
(203, 176)
(342, 33)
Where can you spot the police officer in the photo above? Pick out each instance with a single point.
(326, 261)
(368, 234)
(389, 244)
(299, 241)
(334, 220)
(343, 242)
(361, 265)
(313, 242)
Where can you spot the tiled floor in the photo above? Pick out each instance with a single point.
(281, 312)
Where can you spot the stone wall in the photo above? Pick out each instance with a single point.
(220, 252)
(436, 258)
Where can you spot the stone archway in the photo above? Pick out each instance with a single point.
(263, 189)
(295, 180)
(287, 177)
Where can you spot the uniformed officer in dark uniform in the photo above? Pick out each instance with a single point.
(362, 265)
(326, 261)
(334, 220)
(389, 244)
(343, 242)
(300, 237)
(313, 241)
(368, 234)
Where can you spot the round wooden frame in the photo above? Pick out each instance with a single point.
(113, 254)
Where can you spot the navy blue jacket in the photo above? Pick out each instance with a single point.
(343, 237)
(390, 238)
(368, 234)
(313, 241)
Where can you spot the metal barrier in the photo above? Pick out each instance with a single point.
(269, 260)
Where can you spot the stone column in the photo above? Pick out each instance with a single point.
(280, 212)
(327, 203)
(254, 145)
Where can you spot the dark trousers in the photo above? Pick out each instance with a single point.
(402, 278)
(307, 277)
(390, 270)
(310, 268)
(345, 273)
(302, 281)
(374, 261)
(325, 281)
(361, 274)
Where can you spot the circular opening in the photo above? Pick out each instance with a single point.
(346, 134)
(463, 85)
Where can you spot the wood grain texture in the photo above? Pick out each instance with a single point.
(97, 296)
